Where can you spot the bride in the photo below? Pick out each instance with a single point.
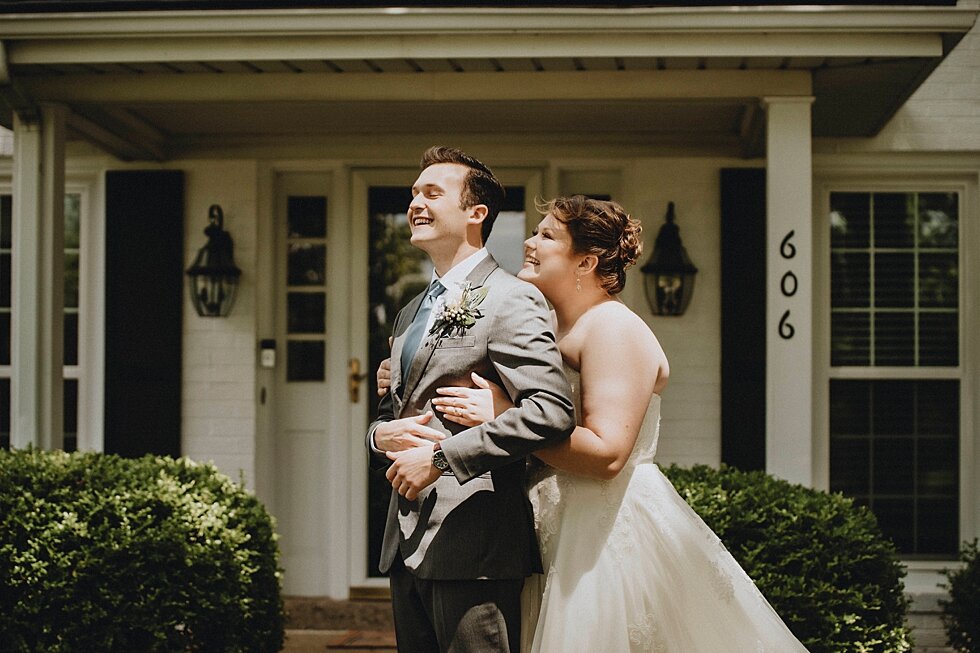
(629, 566)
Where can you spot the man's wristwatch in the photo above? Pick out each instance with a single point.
(439, 458)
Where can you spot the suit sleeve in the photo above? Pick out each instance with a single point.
(524, 353)
(386, 413)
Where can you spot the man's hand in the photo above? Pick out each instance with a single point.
(412, 471)
(384, 377)
(406, 433)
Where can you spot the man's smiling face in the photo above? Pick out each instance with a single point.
(435, 216)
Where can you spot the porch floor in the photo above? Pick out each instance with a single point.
(319, 625)
(345, 641)
(324, 626)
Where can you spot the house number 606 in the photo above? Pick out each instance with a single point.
(788, 285)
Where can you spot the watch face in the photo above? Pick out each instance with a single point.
(439, 461)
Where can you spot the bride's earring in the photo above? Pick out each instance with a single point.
(578, 283)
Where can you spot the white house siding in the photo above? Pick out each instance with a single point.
(691, 425)
(942, 115)
(219, 364)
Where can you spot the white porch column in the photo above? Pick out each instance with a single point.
(789, 290)
(38, 271)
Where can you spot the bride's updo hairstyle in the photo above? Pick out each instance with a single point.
(603, 229)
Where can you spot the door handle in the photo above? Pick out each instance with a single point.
(354, 379)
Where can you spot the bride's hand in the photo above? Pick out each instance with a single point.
(472, 406)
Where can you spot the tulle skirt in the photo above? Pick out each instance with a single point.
(629, 566)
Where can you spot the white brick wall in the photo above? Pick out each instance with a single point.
(219, 407)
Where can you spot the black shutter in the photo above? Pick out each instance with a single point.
(743, 317)
(144, 284)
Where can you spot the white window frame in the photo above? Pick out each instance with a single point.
(6, 188)
(91, 304)
(90, 370)
(923, 574)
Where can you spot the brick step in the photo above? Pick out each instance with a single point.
(339, 641)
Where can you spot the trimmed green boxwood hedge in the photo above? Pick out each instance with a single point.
(961, 612)
(820, 560)
(101, 553)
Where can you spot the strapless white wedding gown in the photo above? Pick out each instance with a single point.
(629, 566)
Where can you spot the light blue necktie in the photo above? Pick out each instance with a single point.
(415, 331)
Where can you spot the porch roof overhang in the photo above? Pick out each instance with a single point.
(141, 84)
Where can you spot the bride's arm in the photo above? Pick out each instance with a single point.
(621, 365)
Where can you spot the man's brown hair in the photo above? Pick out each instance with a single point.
(480, 186)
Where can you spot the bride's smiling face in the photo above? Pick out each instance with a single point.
(549, 260)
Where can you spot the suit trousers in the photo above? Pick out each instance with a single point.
(455, 616)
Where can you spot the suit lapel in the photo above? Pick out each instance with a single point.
(397, 343)
(477, 277)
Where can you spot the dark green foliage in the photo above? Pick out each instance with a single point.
(101, 553)
(961, 613)
(820, 560)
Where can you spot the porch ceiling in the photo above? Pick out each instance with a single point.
(138, 84)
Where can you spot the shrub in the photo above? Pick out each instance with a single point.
(102, 553)
(961, 612)
(820, 560)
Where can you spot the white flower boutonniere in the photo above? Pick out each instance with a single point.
(459, 310)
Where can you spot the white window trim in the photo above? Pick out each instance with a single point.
(6, 188)
(90, 371)
(923, 574)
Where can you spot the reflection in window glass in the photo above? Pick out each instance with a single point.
(894, 300)
(307, 264)
(894, 446)
(895, 279)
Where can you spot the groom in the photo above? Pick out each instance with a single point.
(459, 539)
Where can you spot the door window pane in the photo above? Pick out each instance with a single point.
(306, 312)
(307, 264)
(306, 269)
(305, 360)
(307, 216)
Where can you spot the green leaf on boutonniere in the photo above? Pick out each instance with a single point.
(459, 310)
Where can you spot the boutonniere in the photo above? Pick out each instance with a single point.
(459, 310)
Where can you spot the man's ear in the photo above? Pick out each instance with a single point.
(588, 264)
(478, 213)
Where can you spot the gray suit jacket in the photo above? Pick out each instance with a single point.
(476, 522)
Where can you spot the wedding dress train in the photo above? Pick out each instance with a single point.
(629, 566)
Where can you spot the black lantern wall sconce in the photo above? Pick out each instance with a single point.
(669, 274)
(214, 275)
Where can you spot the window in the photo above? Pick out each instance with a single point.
(6, 247)
(72, 252)
(895, 362)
